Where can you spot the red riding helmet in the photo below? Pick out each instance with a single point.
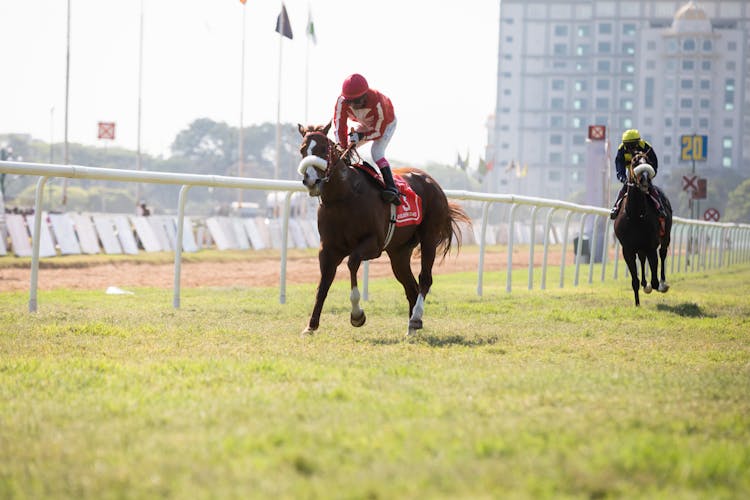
(354, 86)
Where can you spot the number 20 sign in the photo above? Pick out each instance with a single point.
(693, 147)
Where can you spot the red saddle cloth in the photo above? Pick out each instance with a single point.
(409, 212)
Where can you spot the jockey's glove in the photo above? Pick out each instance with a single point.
(354, 137)
(621, 178)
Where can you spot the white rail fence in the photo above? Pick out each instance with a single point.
(699, 244)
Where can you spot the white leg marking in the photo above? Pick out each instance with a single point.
(354, 297)
(418, 309)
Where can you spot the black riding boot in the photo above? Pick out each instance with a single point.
(390, 193)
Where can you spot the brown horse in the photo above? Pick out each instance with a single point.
(353, 221)
(637, 228)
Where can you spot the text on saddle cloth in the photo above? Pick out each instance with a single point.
(409, 212)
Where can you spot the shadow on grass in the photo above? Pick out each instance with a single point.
(686, 310)
(436, 341)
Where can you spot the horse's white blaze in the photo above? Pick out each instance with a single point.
(418, 311)
(310, 147)
(354, 297)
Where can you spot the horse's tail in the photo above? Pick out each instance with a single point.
(451, 229)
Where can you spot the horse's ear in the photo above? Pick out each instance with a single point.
(301, 130)
(327, 128)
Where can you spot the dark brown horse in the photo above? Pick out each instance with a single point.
(638, 230)
(353, 221)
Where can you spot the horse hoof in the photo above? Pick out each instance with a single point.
(415, 324)
(357, 322)
(308, 331)
(647, 289)
(663, 287)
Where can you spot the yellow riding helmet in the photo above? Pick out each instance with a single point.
(631, 135)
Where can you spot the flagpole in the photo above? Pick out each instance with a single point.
(282, 24)
(241, 159)
(138, 165)
(307, 63)
(66, 156)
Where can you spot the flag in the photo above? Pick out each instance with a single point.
(282, 24)
(311, 28)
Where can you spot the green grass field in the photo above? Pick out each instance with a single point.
(568, 392)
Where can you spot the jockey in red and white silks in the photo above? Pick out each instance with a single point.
(373, 113)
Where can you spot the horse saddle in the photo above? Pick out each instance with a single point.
(409, 212)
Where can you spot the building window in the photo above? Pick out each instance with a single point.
(556, 103)
(579, 140)
(584, 31)
(703, 123)
(726, 162)
(626, 104)
(628, 48)
(509, 39)
(558, 84)
(556, 121)
(560, 49)
(555, 158)
(555, 139)
(602, 84)
(732, 46)
(686, 122)
(686, 84)
(668, 141)
(705, 104)
(605, 28)
(667, 122)
(688, 45)
(688, 65)
(561, 30)
(626, 123)
(559, 65)
(628, 67)
(628, 29)
(728, 123)
(667, 159)
(506, 92)
(650, 64)
(648, 96)
(603, 66)
(506, 74)
(705, 84)
(580, 85)
(602, 103)
(651, 45)
(505, 110)
(686, 103)
(729, 94)
(726, 143)
(706, 65)
(554, 176)
(604, 47)
(583, 50)
(707, 46)
(627, 85)
(579, 104)
(671, 65)
(575, 159)
(672, 47)
(576, 122)
(731, 65)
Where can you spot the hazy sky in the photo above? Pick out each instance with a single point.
(436, 59)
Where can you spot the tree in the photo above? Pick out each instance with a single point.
(738, 205)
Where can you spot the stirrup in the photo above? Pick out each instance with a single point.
(613, 213)
(390, 195)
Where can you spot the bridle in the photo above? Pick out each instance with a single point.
(333, 153)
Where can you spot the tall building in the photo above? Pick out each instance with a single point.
(667, 68)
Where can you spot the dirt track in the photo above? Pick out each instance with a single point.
(222, 274)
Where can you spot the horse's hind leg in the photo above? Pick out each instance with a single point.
(663, 249)
(644, 282)
(425, 283)
(629, 257)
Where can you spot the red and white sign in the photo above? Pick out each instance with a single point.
(106, 130)
(689, 183)
(597, 132)
(711, 214)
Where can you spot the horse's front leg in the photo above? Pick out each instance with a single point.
(401, 267)
(653, 263)
(644, 282)
(357, 316)
(629, 257)
(663, 285)
(367, 249)
(328, 263)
